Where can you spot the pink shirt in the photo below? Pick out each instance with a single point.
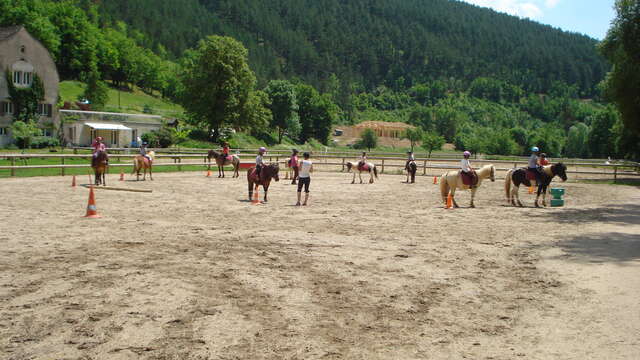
(294, 161)
(98, 147)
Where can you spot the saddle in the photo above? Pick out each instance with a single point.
(469, 179)
(531, 175)
(363, 167)
(253, 176)
(229, 157)
(146, 160)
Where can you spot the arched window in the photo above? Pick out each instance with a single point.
(22, 73)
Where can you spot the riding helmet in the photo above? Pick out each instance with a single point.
(466, 153)
(535, 149)
(262, 149)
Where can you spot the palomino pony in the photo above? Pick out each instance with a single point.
(452, 180)
(368, 167)
(519, 177)
(267, 173)
(142, 163)
(100, 165)
(223, 161)
(411, 168)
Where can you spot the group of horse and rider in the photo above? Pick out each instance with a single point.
(538, 172)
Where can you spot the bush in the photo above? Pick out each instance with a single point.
(159, 138)
(41, 142)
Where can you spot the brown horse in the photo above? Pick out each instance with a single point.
(100, 166)
(519, 177)
(222, 161)
(452, 180)
(267, 173)
(142, 163)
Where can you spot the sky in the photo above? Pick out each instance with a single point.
(590, 17)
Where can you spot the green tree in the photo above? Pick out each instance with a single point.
(413, 135)
(96, 91)
(368, 139)
(501, 143)
(23, 132)
(432, 141)
(326, 114)
(621, 47)
(216, 82)
(283, 106)
(577, 141)
(601, 136)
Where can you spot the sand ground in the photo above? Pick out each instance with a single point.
(193, 271)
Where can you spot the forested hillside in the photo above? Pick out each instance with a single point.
(396, 43)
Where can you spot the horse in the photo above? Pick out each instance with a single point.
(100, 165)
(267, 173)
(411, 168)
(368, 167)
(452, 180)
(222, 161)
(519, 176)
(142, 163)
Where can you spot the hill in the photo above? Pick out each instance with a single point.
(368, 43)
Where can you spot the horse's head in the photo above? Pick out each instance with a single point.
(273, 171)
(560, 169)
(151, 154)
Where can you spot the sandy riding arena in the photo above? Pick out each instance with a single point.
(194, 271)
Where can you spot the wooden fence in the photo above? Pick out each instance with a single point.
(329, 162)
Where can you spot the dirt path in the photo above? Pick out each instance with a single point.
(192, 271)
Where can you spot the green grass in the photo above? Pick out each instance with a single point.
(128, 101)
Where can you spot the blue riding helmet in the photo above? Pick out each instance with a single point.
(535, 149)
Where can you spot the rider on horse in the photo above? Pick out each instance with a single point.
(363, 160)
(98, 146)
(467, 169)
(225, 150)
(260, 161)
(143, 151)
(543, 159)
(534, 164)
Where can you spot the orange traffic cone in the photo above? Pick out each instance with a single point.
(73, 181)
(92, 210)
(531, 191)
(435, 180)
(121, 175)
(449, 202)
(208, 173)
(256, 197)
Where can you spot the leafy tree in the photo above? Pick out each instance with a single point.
(256, 115)
(307, 98)
(601, 139)
(414, 136)
(422, 116)
(577, 141)
(432, 141)
(368, 139)
(283, 105)
(96, 91)
(622, 48)
(24, 132)
(501, 143)
(326, 114)
(217, 82)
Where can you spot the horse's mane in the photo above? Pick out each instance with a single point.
(151, 154)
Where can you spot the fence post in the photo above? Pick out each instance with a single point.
(13, 163)
(179, 162)
(62, 161)
(615, 174)
(424, 168)
(75, 150)
(382, 172)
(342, 165)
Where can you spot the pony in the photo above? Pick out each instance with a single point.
(142, 163)
(222, 161)
(519, 177)
(100, 167)
(267, 173)
(411, 168)
(452, 180)
(368, 167)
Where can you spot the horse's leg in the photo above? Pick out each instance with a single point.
(265, 187)
(544, 195)
(250, 190)
(354, 178)
(538, 192)
(517, 195)
(150, 172)
(104, 178)
(360, 176)
(453, 197)
(370, 176)
(473, 194)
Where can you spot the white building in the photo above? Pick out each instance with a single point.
(117, 130)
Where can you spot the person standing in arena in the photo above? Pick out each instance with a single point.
(304, 178)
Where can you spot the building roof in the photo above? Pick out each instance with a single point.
(384, 125)
(7, 32)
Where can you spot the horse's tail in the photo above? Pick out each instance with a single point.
(444, 187)
(349, 165)
(507, 184)
(375, 171)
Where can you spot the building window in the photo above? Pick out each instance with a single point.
(7, 108)
(45, 109)
(4, 131)
(22, 49)
(114, 137)
(22, 78)
(47, 132)
(17, 77)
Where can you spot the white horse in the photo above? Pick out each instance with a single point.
(452, 180)
(368, 167)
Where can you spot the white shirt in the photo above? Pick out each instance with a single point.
(305, 169)
(259, 160)
(466, 165)
(533, 161)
